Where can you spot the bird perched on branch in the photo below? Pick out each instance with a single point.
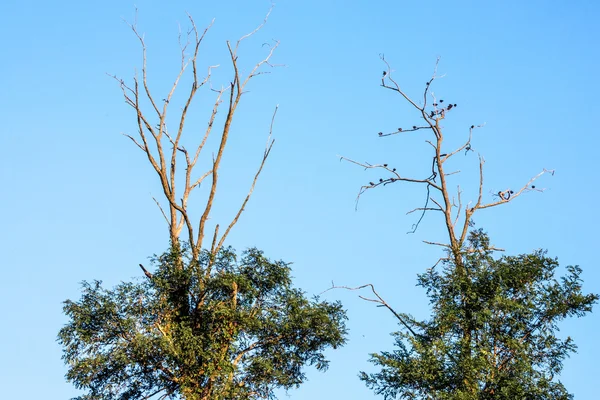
(148, 274)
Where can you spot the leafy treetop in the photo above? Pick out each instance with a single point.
(492, 333)
(215, 328)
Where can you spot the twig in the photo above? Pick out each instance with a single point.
(378, 300)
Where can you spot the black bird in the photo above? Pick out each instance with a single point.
(148, 274)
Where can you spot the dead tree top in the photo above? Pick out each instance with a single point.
(439, 197)
(163, 146)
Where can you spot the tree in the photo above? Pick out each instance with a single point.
(218, 329)
(205, 324)
(492, 332)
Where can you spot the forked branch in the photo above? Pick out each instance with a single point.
(433, 111)
(268, 148)
(379, 300)
(164, 149)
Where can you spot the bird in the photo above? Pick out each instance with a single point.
(148, 274)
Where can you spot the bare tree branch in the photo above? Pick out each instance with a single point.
(432, 114)
(164, 149)
(379, 300)
(161, 209)
(269, 145)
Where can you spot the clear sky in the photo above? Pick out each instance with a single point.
(76, 195)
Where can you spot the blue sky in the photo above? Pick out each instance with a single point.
(77, 195)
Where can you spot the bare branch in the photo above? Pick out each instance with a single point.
(385, 181)
(424, 209)
(458, 211)
(200, 179)
(403, 130)
(144, 69)
(433, 113)
(233, 102)
(396, 86)
(161, 209)
(258, 28)
(214, 243)
(508, 195)
(236, 91)
(143, 148)
(467, 145)
(378, 300)
(437, 244)
(154, 138)
(210, 125)
(268, 147)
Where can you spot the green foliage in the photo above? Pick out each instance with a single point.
(492, 333)
(216, 328)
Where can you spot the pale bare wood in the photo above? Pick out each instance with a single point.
(163, 149)
(457, 230)
(268, 148)
(451, 211)
(379, 300)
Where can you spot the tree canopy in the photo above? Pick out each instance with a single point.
(218, 328)
(492, 333)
